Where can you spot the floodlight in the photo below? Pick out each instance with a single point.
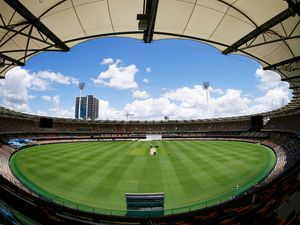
(81, 85)
(143, 21)
(205, 85)
(206, 88)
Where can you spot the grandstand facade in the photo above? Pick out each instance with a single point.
(283, 138)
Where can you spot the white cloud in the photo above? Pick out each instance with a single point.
(148, 70)
(192, 102)
(275, 91)
(152, 108)
(146, 81)
(56, 100)
(61, 113)
(41, 113)
(57, 110)
(217, 91)
(14, 89)
(232, 103)
(46, 98)
(180, 103)
(55, 77)
(31, 96)
(273, 99)
(140, 94)
(19, 82)
(268, 79)
(107, 112)
(107, 61)
(188, 97)
(119, 77)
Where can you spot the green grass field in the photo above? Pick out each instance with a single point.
(98, 174)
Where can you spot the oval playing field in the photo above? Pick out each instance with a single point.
(95, 176)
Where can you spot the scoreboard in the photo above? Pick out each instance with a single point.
(145, 204)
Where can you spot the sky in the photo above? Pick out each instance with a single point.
(149, 81)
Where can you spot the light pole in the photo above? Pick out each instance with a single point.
(81, 87)
(127, 114)
(206, 88)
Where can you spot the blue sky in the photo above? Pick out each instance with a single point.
(151, 81)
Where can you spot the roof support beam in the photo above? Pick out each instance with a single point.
(291, 78)
(294, 87)
(151, 10)
(26, 14)
(259, 30)
(5, 57)
(295, 6)
(20, 32)
(271, 41)
(288, 61)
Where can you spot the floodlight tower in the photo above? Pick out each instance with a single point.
(206, 88)
(81, 87)
(127, 114)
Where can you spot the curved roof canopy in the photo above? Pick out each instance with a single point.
(267, 31)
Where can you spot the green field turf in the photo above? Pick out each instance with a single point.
(98, 174)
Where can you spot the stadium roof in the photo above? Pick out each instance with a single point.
(267, 31)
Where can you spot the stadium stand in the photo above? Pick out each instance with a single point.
(5, 153)
(285, 123)
(260, 202)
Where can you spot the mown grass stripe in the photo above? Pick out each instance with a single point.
(89, 165)
(98, 174)
(184, 175)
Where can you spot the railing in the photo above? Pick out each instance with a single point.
(146, 213)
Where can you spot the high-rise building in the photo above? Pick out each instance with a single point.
(89, 107)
